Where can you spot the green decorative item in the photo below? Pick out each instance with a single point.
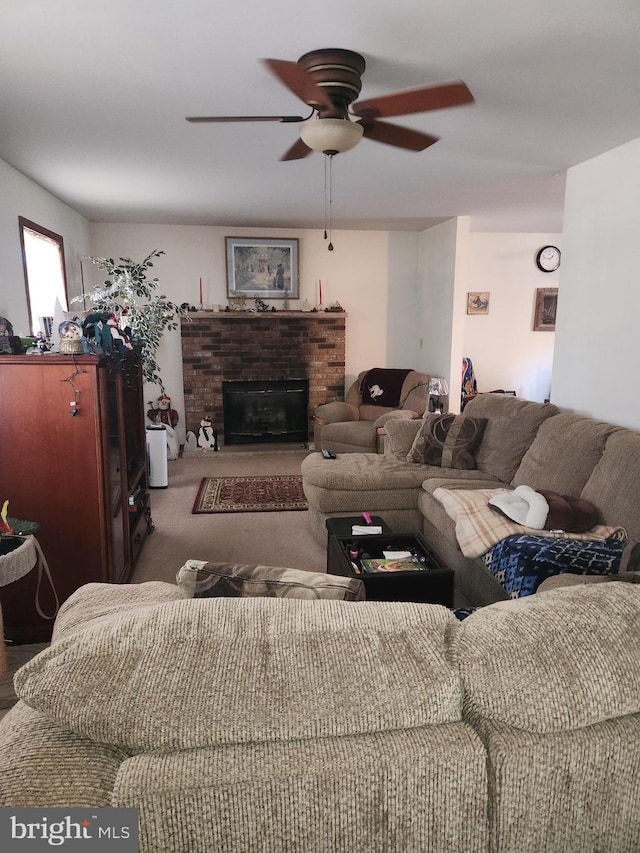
(131, 297)
(12, 530)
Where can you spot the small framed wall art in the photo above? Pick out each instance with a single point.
(262, 268)
(478, 302)
(544, 319)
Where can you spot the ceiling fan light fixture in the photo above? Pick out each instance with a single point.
(330, 135)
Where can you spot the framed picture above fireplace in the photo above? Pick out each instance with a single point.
(262, 268)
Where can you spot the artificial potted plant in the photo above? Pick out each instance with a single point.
(130, 296)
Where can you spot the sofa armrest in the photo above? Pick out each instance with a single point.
(337, 412)
(396, 415)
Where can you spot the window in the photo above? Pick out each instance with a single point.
(44, 274)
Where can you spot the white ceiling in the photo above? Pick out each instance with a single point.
(93, 95)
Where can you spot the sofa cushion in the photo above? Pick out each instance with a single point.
(33, 749)
(200, 672)
(359, 481)
(630, 560)
(410, 790)
(512, 426)
(479, 527)
(448, 441)
(556, 660)
(613, 484)
(100, 601)
(200, 579)
(569, 579)
(563, 454)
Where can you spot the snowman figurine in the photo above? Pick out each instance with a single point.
(207, 435)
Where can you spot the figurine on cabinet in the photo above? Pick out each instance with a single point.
(102, 330)
(71, 337)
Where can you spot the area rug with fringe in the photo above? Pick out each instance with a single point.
(250, 494)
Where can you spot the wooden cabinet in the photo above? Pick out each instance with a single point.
(72, 459)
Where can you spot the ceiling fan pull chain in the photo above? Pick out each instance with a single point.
(325, 199)
(330, 156)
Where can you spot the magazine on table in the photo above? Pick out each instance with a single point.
(394, 564)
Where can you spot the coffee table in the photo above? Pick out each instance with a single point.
(432, 584)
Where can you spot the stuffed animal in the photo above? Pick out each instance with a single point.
(162, 413)
(102, 327)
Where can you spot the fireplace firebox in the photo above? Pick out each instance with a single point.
(266, 411)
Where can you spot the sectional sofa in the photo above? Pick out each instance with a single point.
(523, 443)
(247, 725)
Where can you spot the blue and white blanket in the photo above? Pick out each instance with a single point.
(521, 562)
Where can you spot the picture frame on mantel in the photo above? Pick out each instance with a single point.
(262, 268)
(544, 319)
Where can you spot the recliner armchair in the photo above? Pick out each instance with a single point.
(356, 425)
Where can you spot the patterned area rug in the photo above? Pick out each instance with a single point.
(250, 494)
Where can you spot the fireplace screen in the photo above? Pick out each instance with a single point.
(256, 412)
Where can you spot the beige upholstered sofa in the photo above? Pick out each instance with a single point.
(355, 425)
(247, 725)
(523, 443)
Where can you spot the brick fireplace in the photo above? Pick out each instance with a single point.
(232, 346)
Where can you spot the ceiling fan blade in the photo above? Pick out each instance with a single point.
(436, 97)
(202, 119)
(393, 134)
(300, 82)
(297, 151)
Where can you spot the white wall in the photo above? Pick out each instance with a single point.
(402, 297)
(440, 268)
(371, 274)
(505, 351)
(596, 356)
(399, 288)
(19, 196)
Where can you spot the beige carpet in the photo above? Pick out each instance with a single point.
(270, 538)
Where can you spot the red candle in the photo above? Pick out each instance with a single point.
(320, 286)
(201, 291)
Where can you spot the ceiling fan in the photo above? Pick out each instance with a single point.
(329, 81)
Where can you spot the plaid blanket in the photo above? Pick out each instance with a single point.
(479, 527)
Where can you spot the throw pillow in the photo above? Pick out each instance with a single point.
(447, 441)
(199, 579)
(399, 437)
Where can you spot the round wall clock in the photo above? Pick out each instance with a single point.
(548, 259)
